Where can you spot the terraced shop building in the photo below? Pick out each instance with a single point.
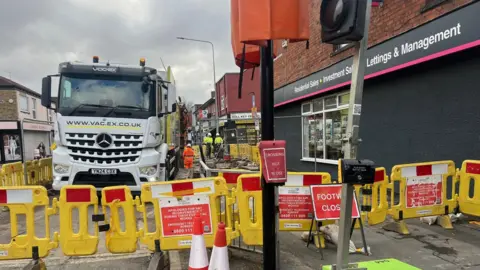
(421, 94)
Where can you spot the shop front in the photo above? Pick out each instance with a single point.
(12, 142)
(419, 100)
(38, 139)
(242, 128)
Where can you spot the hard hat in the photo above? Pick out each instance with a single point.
(189, 144)
(218, 134)
(209, 134)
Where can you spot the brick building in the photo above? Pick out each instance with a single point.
(236, 113)
(421, 79)
(18, 103)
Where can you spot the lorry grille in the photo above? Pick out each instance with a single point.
(124, 149)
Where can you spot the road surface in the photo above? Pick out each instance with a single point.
(428, 247)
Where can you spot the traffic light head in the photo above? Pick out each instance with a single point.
(343, 21)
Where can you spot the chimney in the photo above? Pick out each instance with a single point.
(213, 94)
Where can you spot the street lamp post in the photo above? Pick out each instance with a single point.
(214, 77)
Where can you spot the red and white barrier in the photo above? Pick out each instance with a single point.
(219, 258)
(198, 251)
(300, 180)
(183, 189)
(11, 196)
(423, 170)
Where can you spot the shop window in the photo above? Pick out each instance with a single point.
(318, 105)
(306, 108)
(34, 108)
(313, 136)
(324, 128)
(431, 4)
(23, 103)
(12, 150)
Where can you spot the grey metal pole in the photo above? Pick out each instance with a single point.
(215, 89)
(25, 177)
(352, 140)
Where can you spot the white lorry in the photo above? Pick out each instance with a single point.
(110, 126)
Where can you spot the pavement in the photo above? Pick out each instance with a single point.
(428, 247)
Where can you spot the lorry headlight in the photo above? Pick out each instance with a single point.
(149, 170)
(152, 179)
(59, 168)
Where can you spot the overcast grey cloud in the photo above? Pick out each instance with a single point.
(39, 34)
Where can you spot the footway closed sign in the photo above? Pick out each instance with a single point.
(326, 202)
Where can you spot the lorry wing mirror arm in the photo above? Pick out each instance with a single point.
(47, 92)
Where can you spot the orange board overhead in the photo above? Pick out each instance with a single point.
(253, 22)
(262, 20)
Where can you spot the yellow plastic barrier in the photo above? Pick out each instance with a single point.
(22, 201)
(295, 201)
(251, 223)
(423, 192)
(118, 240)
(231, 176)
(12, 174)
(245, 151)
(176, 203)
(79, 242)
(255, 154)
(234, 151)
(374, 203)
(33, 172)
(45, 170)
(469, 194)
(39, 172)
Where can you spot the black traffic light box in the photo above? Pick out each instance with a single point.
(356, 172)
(343, 21)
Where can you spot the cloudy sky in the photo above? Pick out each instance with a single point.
(39, 34)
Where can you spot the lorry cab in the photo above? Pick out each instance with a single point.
(109, 124)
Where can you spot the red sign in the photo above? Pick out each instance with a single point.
(274, 163)
(326, 202)
(177, 215)
(295, 203)
(423, 191)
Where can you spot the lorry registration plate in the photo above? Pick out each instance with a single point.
(103, 171)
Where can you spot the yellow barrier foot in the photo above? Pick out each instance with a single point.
(398, 227)
(319, 240)
(445, 222)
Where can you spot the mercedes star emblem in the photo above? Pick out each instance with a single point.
(104, 140)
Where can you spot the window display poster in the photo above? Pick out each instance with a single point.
(12, 147)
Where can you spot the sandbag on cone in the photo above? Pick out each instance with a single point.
(219, 258)
(198, 251)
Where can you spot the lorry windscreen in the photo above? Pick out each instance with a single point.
(102, 93)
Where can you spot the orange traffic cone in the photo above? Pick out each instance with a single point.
(198, 251)
(219, 258)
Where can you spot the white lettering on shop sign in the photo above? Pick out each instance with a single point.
(306, 86)
(384, 57)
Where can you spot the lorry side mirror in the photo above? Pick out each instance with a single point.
(47, 92)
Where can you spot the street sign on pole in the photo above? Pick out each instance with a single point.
(352, 140)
